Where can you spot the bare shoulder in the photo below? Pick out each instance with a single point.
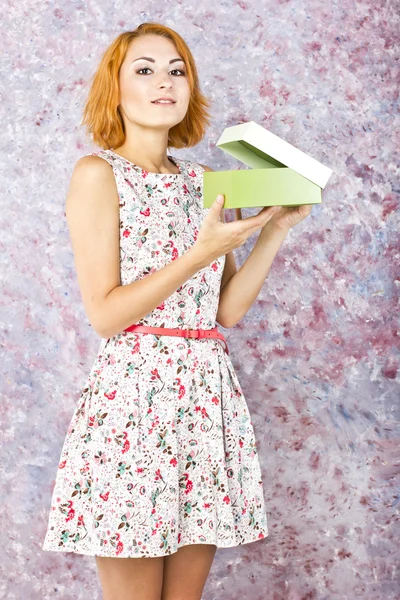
(92, 181)
(92, 166)
(206, 168)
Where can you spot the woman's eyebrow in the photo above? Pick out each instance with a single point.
(152, 59)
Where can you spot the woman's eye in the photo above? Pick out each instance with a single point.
(147, 68)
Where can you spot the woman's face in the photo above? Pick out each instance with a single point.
(143, 81)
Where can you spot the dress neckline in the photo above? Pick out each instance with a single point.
(171, 158)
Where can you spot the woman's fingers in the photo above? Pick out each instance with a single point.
(255, 222)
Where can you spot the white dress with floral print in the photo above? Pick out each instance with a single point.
(160, 451)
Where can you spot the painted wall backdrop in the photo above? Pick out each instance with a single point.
(317, 356)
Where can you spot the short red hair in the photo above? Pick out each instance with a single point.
(101, 114)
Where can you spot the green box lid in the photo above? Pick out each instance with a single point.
(258, 148)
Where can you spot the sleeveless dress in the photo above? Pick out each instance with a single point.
(160, 451)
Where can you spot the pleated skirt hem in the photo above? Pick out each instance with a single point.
(112, 552)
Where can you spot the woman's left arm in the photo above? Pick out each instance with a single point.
(241, 291)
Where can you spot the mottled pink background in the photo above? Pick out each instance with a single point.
(317, 356)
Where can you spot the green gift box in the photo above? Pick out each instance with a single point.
(280, 174)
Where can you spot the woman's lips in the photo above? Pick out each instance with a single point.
(164, 103)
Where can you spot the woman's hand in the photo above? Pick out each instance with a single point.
(283, 218)
(286, 217)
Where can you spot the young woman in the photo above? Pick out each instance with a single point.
(159, 466)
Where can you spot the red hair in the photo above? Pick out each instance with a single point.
(101, 113)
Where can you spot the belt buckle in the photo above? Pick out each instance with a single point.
(192, 333)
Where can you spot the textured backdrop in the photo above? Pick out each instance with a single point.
(317, 356)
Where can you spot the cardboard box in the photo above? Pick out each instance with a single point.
(280, 174)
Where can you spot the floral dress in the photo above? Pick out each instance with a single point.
(160, 451)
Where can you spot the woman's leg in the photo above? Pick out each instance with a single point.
(130, 578)
(186, 572)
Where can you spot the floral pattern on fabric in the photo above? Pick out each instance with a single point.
(160, 451)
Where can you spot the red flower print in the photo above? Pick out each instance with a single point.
(105, 496)
(215, 400)
(204, 412)
(241, 443)
(167, 185)
(62, 464)
(80, 521)
(126, 233)
(111, 396)
(71, 514)
(173, 462)
(207, 505)
(214, 266)
(161, 306)
(145, 212)
(260, 536)
(192, 173)
(126, 446)
(226, 499)
(120, 547)
(174, 253)
(189, 486)
(154, 374)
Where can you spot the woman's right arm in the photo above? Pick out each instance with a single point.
(92, 212)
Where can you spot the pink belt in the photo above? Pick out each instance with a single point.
(189, 333)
